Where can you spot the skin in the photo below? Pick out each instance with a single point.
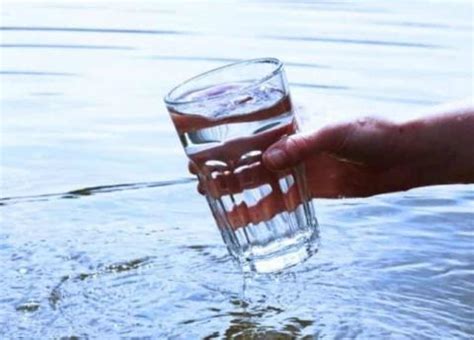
(365, 157)
(372, 156)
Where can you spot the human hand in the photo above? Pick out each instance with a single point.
(361, 158)
(372, 156)
(353, 159)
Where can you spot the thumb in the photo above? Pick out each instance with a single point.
(287, 152)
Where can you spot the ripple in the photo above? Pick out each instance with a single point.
(89, 191)
(356, 41)
(320, 86)
(55, 296)
(427, 201)
(230, 60)
(391, 99)
(92, 30)
(36, 73)
(430, 25)
(61, 46)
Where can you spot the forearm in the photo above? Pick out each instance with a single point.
(438, 149)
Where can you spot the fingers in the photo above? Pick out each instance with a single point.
(236, 164)
(287, 152)
(200, 188)
(192, 168)
(233, 152)
(226, 182)
(240, 214)
(243, 178)
(252, 195)
(219, 181)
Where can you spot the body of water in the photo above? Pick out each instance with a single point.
(102, 233)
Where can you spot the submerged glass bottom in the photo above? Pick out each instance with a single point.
(274, 245)
(284, 253)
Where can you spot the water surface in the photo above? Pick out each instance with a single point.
(101, 230)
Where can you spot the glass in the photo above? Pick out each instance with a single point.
(226, 118)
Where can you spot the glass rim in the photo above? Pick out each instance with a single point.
(278, 66)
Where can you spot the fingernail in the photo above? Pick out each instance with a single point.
(276, 157)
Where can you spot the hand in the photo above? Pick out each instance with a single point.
(372, 156)
(355, 159)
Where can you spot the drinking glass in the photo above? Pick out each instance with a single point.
(225, 119)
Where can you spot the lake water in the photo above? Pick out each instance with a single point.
(102, 233)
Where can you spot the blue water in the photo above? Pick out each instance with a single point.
(102, 233)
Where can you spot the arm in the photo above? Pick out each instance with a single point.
(371, 156)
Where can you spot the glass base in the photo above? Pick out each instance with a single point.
(281, 254)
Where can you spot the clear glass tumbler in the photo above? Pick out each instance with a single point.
(226, 118)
